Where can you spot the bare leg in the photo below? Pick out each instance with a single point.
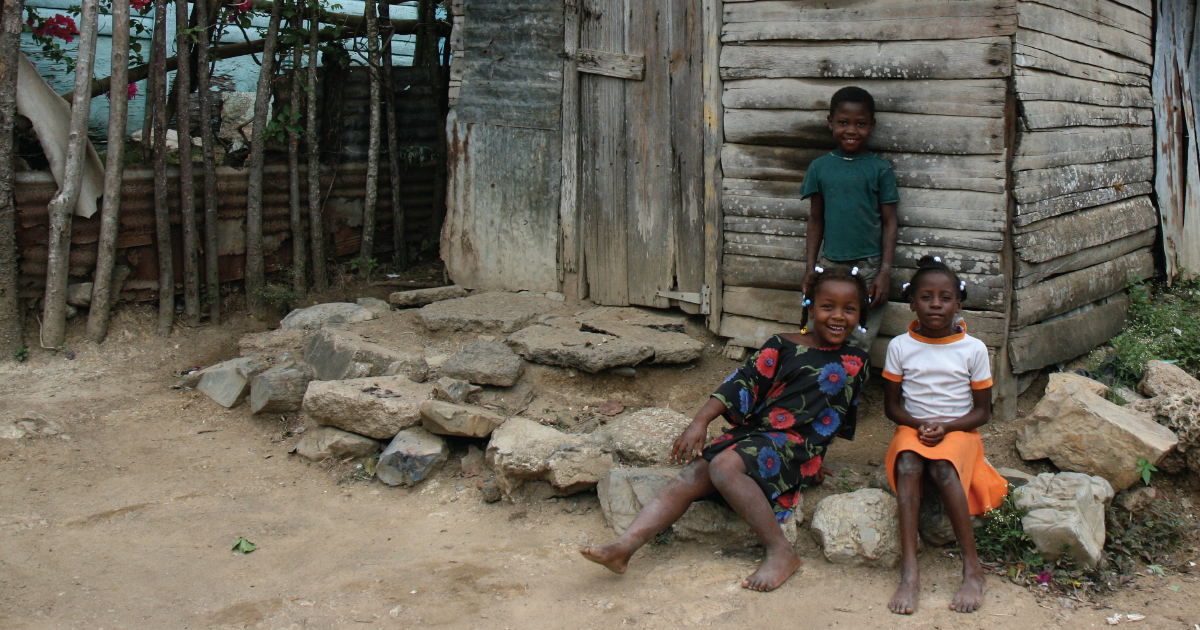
(910, 468)
(970, 595)
(665, 508)
(728, 473)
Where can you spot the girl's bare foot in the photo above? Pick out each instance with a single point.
(608, 555)
(776, 568)
(904, 602)
(970, 594)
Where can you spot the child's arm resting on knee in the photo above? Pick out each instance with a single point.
(689, 444)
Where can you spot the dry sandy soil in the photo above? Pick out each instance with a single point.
(127, 519)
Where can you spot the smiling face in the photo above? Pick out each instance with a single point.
(835, 312)
(851, 124)
(935, 301)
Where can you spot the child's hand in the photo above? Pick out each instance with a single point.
(931, 433)
(689, 444)
(880, 288)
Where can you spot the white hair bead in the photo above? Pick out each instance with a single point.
(904, 286)
(854, 271)
(937, 259)
(862, 330)
(819, 269)
(962, 285)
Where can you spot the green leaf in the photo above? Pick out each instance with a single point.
(243, 546)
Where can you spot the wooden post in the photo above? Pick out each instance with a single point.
(11, 328)
(62, 207)
(299, 236)
(148, 115)
(187, 192)
(714, 138)
(399, 249)
(162, 213)
(366, 250)
(316, 223)
(212, 268)
(571, 274)
(110, 217)
(1006, 389)
(256, 272)
(1168, 125)
(437, 83)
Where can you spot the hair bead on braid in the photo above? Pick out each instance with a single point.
(929, 265)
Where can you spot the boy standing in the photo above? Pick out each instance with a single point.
(853, 195)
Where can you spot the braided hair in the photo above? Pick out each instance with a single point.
(835, 274)
(933, 265)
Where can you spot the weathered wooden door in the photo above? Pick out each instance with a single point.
(640, 179)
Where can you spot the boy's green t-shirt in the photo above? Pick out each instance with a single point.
(853, 187)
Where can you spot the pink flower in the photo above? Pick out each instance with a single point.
(130, 91)
(1043, 577)
(59, 26)
(139, 5)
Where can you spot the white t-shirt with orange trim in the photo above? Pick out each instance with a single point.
(938, 375)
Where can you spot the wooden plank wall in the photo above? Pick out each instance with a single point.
(938, 70)
(1082, 169)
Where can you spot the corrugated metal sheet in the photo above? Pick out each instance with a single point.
(136, 244)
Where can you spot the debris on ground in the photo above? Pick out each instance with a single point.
(472, 464)
(228, 382)
(243, 546)
(1065, 514)
(453, 390)
(485, 363)
(1135, 499)
(859, 528)
(610, 408)
(410, 457)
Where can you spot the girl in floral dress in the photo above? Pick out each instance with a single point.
(785, 405)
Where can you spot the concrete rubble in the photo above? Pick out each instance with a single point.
(377, 407)
(338, 354)
(495, 313)
(274, 343)
(1135, 499)
(1058, 379)
(228, 382)
(320, 443)
(410, 457)
(485, 363)
(859, 528)
(606, 338)
(1082, 432)
(314, 317)
(445, 418)
(642, 438)
(375, 305)
(421, 297)
(280, 389)
(1066, 509)
(1179, 412)
(523, 451)
(1162, 378)
(453, 390)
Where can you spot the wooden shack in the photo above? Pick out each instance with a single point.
(650, 152)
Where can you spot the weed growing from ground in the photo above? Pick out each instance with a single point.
(1163, 325)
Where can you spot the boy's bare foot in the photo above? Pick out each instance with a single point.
(608, 555)
(970, 594)
(904, 602)
(776, 568)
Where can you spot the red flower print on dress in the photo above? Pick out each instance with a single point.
(781, 418)
(811, 467)
(852, 364)
(723, 437)
(767, 360)
(794, 437)
(775, 391)
(788, 500)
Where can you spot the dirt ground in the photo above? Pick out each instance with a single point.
(126, 519)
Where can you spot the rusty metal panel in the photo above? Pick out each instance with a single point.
(513, 74)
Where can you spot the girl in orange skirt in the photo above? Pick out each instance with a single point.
(938, 391)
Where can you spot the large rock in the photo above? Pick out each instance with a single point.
(485, 312)
(1058, 379)
(445, 418)
(377, 407)
(228, 382)
(522, 450)
(274, 342)
(421, 297)
(338, 354)
(410, 457)
(314, 317)
(280, 389)
(644, 437)
(1082, 432)
(320, 443)
(860, 527)
(485, 363)
(1161, 378)
(623, 492)
(606, 338)
(1066, 511)
(453, 390)
(1179, 412)
(375, 305)
(80, 294)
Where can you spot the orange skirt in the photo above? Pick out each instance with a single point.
(985, 487)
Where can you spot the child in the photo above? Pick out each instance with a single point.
(853, 200)
(785, 404)
(938, 389)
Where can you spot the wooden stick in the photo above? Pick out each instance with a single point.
(299, 237)
(110, 217)
(62, 208)
(148, 116)
(187, 191)
(11, 329)
(162, 212)
(255, 264)
(366, 251)
(436, 83)
(212, 269)
(399, 251)
(316, 224)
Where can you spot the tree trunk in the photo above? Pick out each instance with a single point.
(255, 265)
(110, 217)
(299, 236)
(11, 329)
(187, 190)
(162, 212)
(212, 268)
(316, 222)
(399, 252)
(367, 250)
(148, 117)
(62, 207)
(436, 83)
(425, 15)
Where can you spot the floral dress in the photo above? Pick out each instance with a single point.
(786, 404)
